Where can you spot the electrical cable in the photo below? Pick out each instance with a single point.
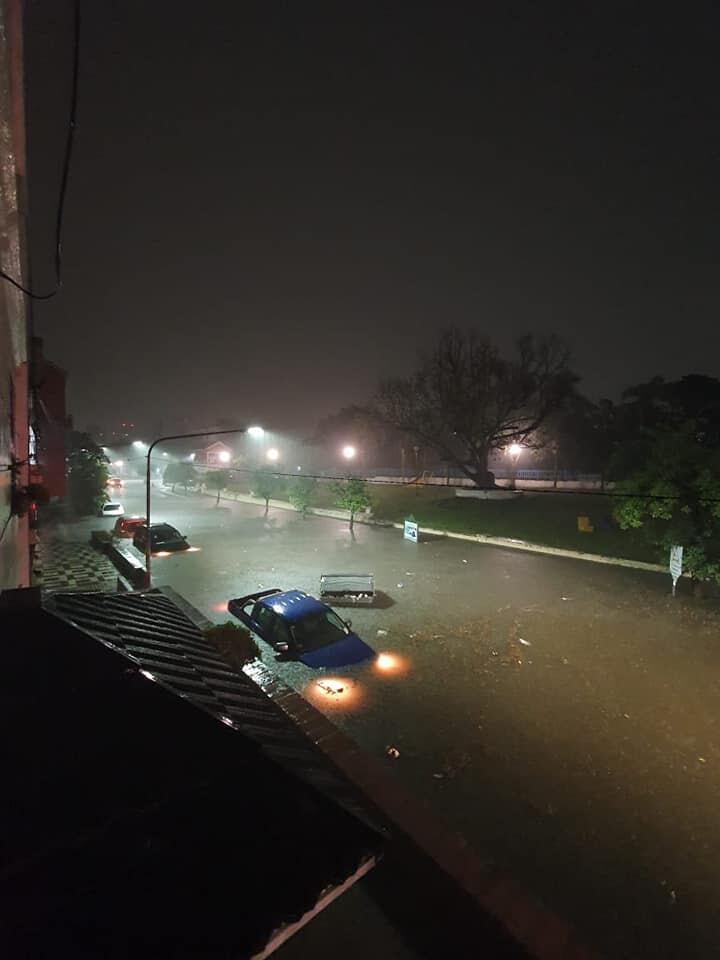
(69, 142)
(6, 524)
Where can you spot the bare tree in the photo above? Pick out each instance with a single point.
(466, 400)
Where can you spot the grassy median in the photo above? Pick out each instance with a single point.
(547, 518)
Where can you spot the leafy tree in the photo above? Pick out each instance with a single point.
(218, 480)
(693, 402)
(301, 491)
(674, 498)
(186, 474)
(266, 486)
(87, 474)
(172, 475)
(351, 495)
(466, 400)
(580, 435)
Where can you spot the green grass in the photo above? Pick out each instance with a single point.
(547, 518)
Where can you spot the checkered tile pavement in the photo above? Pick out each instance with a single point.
(67, 567)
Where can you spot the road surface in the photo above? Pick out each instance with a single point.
(562, 715)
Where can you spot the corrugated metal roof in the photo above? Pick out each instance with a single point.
(137, 824)
(151, 630)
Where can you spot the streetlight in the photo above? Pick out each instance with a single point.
(273, 454)
(255, 432)
(176, 436)
(138, 444)
(224, 456)
(514, 451)
(349, 451)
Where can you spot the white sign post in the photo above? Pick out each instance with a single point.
(410, 531)
(676, 557)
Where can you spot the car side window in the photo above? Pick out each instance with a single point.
(264, 617)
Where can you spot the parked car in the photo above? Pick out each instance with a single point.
(300, 627)
(126, 526)
(163, 536)
(111, 509)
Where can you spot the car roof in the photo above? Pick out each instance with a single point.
(293, 604)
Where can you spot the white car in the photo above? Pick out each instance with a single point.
(112, 509)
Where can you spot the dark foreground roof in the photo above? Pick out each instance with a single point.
(136, 822)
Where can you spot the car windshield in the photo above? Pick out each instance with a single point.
(111, 506)
(318, 630)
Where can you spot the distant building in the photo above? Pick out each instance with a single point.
(14, 372)
(216, 454)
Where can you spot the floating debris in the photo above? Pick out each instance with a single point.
(392, 752)
(525, 643)
(382, 633)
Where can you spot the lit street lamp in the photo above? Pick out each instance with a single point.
(514, 451)
(273, 454)
(349, 451)
(224, 456)
(255, 432)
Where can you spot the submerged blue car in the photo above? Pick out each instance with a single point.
(299, 627)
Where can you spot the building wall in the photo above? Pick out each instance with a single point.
(49, 420)
(14, 469)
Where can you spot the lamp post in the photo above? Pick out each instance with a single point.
(514, 451)
(177, 436)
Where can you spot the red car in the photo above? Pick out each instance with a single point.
(127, 526)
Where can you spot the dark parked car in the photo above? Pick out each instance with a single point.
(162, 537)
(300, 627)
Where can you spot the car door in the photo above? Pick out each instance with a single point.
(263, 621)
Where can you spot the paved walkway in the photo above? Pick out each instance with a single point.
(64, 566)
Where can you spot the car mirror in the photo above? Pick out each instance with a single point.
(348, 624)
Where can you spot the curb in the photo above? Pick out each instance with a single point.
(542, 548)
(481, 538)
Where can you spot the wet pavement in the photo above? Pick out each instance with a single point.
(562, 715)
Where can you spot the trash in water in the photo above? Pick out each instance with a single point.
(382, 633)
(392, 752)
(438, 776)
(702, 760)
(409, 573)
(401, 585)
(564, 598)
(525, 643)
(464, 561)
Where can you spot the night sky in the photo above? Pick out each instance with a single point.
(272, 204)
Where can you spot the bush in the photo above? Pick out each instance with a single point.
(235, 644)
(100, 538)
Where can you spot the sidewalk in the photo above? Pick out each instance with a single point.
(63, 566)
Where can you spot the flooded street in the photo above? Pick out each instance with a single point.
(561, 715)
